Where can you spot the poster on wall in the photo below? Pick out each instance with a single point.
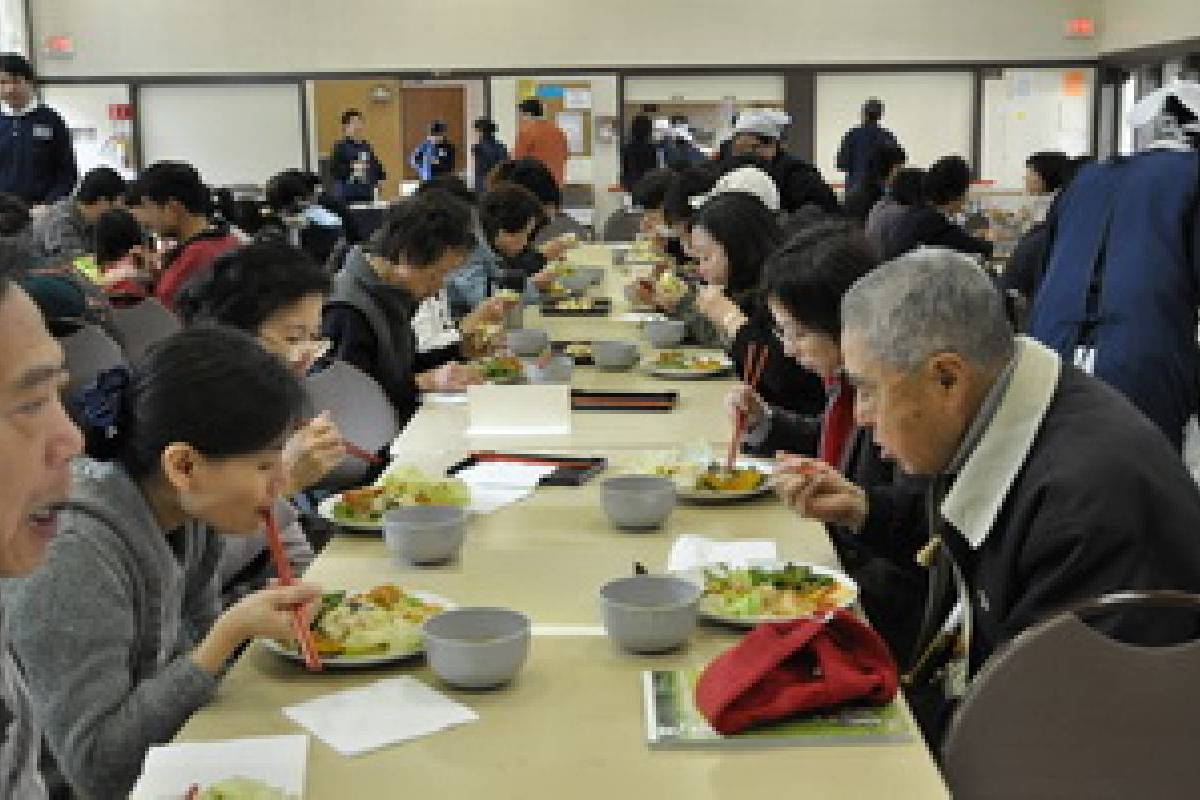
(608, 129)
(577, 99)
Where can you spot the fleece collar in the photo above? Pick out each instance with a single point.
(990, 470)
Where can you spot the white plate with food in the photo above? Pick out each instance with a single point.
(682, 365)
(771, 591)
(363, 509)
(368, 629)
(701, 480)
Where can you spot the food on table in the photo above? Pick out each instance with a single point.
(671, 285)
(562, 268)
(556, 288)
(385, 619)
(576, 304)
(240, 788)
(785, 592)
(399, 486)
(578, 350)
(508, 295)
(502, 368)
(676, 360)
(740, 479)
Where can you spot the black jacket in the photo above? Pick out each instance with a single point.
(925, 225)
(800, 184)
(783, 383)
(37, 156)
(637, 158)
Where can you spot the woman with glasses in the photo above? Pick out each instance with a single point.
(274, 292)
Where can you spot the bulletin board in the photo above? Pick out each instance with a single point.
(568, 105)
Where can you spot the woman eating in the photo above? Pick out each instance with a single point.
(189, 443)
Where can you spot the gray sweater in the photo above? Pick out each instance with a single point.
(20, 738)
(104, 630)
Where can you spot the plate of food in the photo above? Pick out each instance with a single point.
(699, 479)
(363, 509)
(238, 788)
(580, 352)
(684, 365)
(777, 591)
(502, 369)
(367, 629)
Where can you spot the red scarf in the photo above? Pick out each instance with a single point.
(838, 423)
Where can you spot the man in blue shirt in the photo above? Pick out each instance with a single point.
(37, 158)
(861, 142)
(356, 171)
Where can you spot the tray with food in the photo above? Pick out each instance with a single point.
(366, 629)
(502, 369)
(680, 364)
(577, 307)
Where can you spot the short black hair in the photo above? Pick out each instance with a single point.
(350, 114)
(419, 230)
(14, 215)
(212, 387)
(449, 183)
(246, 286)
(101, 183)
(117, 232)
(695, 180)
(907, 187)
(873, 109)
(947, 180)
(508, 207)
(437, 126)
(164, 181)
(531, 106)
(641, 129)
(884, 159)
(815, 268)
(17, 65)
(1053, 167)
(650, 192)
(536, 177)
(748, 231)
(286, 190)
(485, 126)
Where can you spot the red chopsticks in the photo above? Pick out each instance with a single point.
(283, 569)
(756, 360)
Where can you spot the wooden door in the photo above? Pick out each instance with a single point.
(379, 101)
(424, 105)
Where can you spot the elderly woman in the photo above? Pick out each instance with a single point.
(1049, 487)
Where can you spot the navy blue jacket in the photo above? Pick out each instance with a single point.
(37, 157)
(341, 164)
(858, 145)
(488, 153)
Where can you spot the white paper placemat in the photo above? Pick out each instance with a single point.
(170, 770)
(692, 552)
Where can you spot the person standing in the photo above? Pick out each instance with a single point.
(356, 170)
(860, 143)
(640, 155)
(488, 151)
(540, 138)
(37, 157)
(434, 156)
(759, 134)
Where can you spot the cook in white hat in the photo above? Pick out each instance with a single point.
(758, 132)
(750, 180)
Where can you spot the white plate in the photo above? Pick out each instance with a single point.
(325, 512)
(676, 373)
(710, 497)
(354, 662)
(697, 576)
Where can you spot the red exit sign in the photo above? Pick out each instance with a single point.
(60, 46)
(1081, 28)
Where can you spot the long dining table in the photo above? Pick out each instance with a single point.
(571, 725)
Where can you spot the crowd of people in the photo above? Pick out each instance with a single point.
(973, 479)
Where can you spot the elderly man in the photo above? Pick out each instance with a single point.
(1048, 486)
(37, 442)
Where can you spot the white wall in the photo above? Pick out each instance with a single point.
(131, 37)
(1126, 24)
(704, 89)
(1029, 110)
(99, 141)
(929, 112)
(239, 134)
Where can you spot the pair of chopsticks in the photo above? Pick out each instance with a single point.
(756, 360)
(283, 569)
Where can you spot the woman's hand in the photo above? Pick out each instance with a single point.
(451, 378)
(812, 488)
(720, 310)
(556, 248)
(747, 401)
(267, 614)
(543, 279)
(312, 452)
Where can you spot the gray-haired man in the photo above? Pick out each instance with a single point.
(1049, 487)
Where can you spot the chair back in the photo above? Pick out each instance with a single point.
(142, 324)
(89, 351)
(362, 413)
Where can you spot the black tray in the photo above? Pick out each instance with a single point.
(580, 361)
(575, 471)
(601, 306)
(641, 402)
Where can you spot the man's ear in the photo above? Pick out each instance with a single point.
(178, 463)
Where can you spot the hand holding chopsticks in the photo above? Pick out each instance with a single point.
(283, 569)
(752, 367)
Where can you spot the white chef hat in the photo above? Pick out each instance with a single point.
(1153, 105)
(766, 122)
(750, 180)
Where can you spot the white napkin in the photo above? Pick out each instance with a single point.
(445, 398)
(486, 499)
(504, 474)
(169, 770)
(693, 552)
(357, 721)
(640, 316)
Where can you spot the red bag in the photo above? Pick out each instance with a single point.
(782, 669)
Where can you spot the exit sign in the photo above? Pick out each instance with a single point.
(59, 47)
(1081, 28)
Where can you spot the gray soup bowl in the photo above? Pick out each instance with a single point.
(665, 333)
(614, 355)
(527, 341)
(477, 648)
(649, 613)
(425, 534)
(638, 502)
